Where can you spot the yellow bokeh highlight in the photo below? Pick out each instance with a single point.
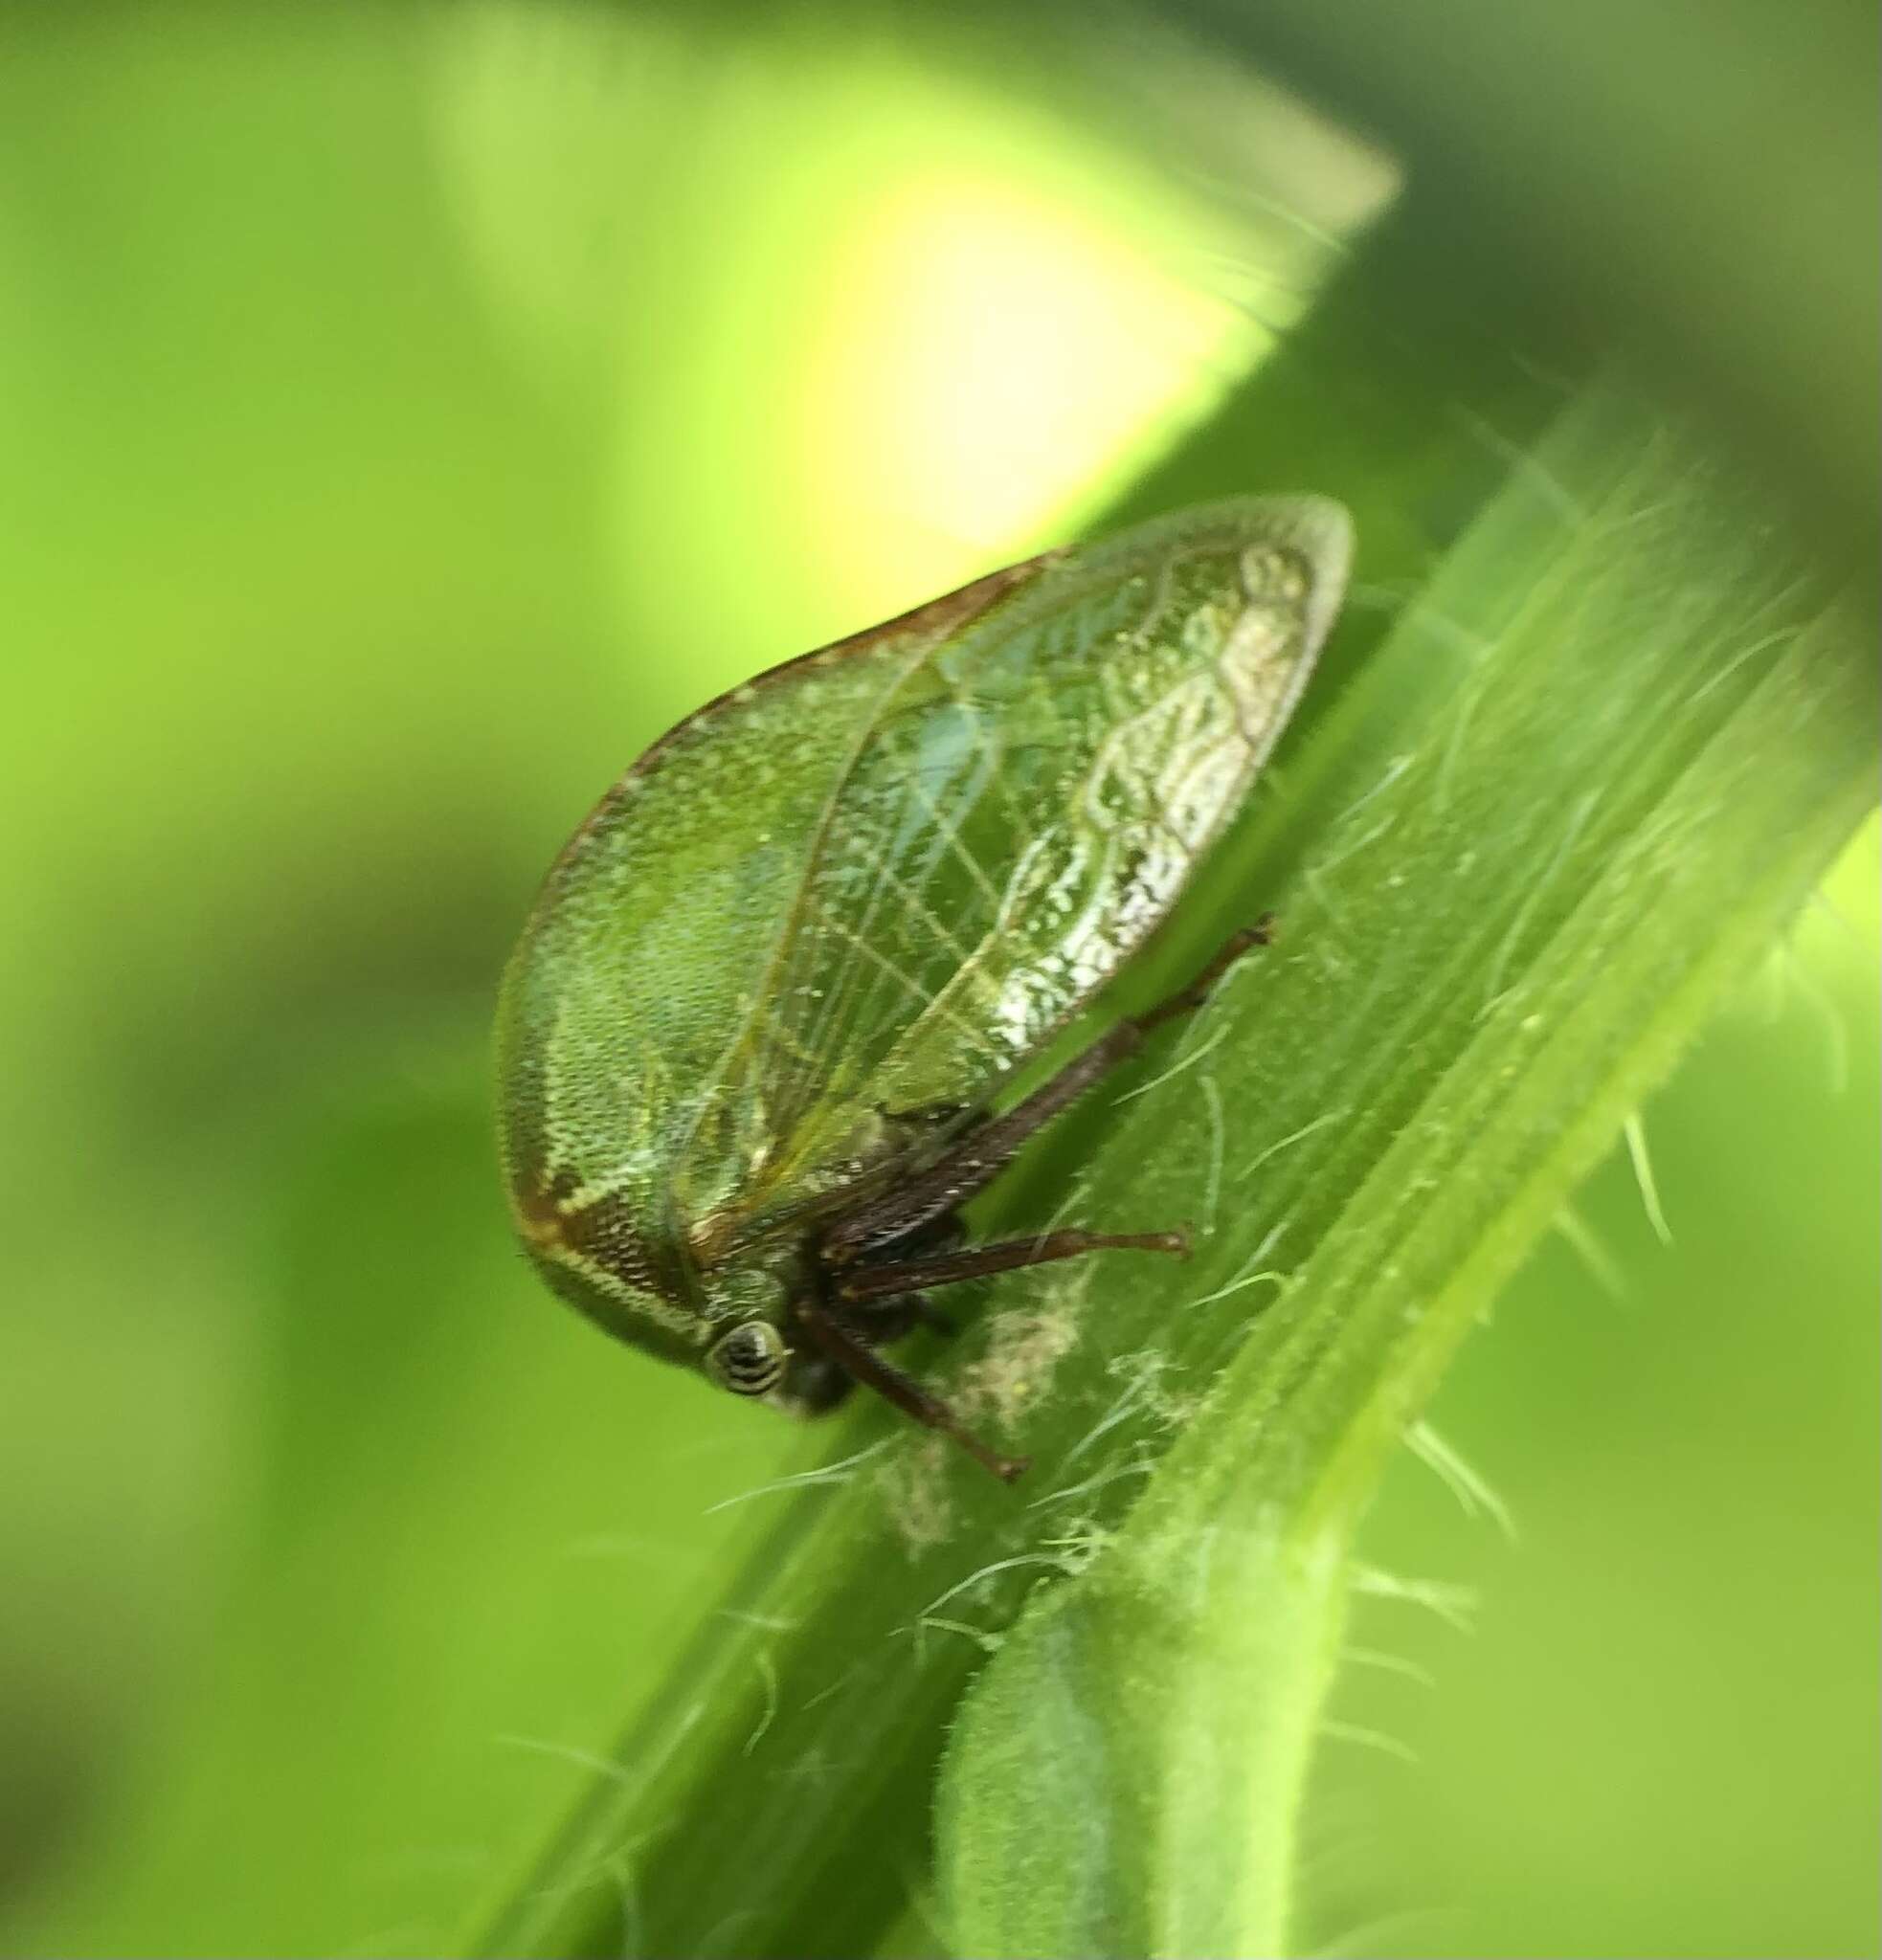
(1014, 315)
(994, 352)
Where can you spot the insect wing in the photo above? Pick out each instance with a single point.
(635, 997)
(1027, 801)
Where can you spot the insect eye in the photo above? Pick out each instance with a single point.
(750, 1360)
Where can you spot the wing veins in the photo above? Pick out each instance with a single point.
(931, 1003)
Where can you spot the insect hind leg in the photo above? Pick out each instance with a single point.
(900, 1277)
(913, 1232)
(977, 1158)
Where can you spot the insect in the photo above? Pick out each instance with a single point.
(750, 1042)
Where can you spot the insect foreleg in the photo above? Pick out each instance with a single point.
(856, 1358)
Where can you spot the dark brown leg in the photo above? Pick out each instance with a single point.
(889, 1317)
(856, 1358)
(983, 1153)
(861, 1283)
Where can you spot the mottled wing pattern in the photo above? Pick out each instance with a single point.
(1026, 802)
(640, 976)
(875, 878)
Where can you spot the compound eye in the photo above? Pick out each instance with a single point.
(750, 1360)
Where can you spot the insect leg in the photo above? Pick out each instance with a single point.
(856, 1358)
(861, 1284)
(980, 1155)
(884, 1316)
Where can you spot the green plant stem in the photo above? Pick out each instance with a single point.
(1584, 772)
(1176, 1682)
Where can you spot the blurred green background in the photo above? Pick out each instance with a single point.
(403, 418)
